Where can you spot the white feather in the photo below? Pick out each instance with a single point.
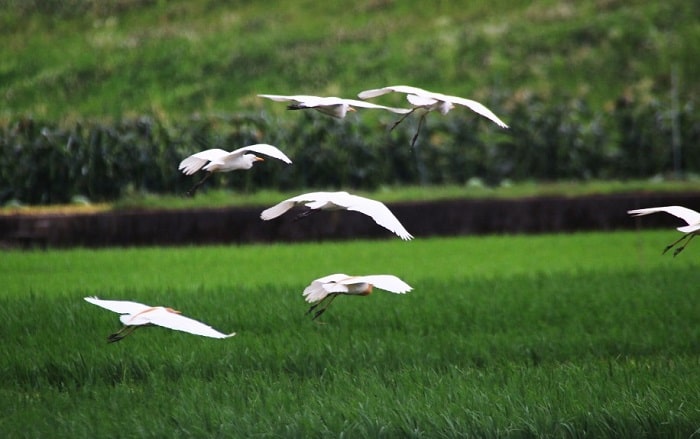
(691, 217)
(333, 106)
(342, 201)
(138, 314)
(340, 283)
(432, 101)
(218, 160)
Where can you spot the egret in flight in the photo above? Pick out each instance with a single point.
(691, 217)
(428, 101)
(332, 106)
(218, 160)
(327, 288)
(134, 315)
(341, 201)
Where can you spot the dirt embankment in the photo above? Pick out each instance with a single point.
(243, 225)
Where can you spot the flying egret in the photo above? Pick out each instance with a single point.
(691, 217)
(341, 201)
(333, 106)
(135, 314)
(429, 101)
(331, 286)
(218, 160)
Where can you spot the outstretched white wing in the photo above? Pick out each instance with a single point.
(342, 200)
(195, 162)
(119, 306)
(318, 289)
(305, 101)
(478, 108)
(178, 322)
(691, 217)
(262, 148)
(378, 212)
(315, 200)
(387, 282)
(296, 99)
(367, 94)
(365, 104)
(419, 97)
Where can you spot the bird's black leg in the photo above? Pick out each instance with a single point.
(330, 298)
(402, 119)
(681, 248)
(126, 330)
(190, 193)
(304, 214)
(420, 124)
(312, 307)
(674, 243)
(315, 305)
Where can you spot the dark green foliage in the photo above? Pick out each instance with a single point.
(41, 162)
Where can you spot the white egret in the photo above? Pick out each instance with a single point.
(331, 286)
(429, 101)
(218, 160)
(341, 201)
(691, 217)
(332, 106)
(134, 315)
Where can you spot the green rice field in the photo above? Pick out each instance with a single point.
(582, 335)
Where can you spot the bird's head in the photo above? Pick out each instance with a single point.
(250, 160)
(367, 291)
(445, 107)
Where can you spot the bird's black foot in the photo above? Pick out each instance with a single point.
(318, 313)
(311, 308)
(112, 338)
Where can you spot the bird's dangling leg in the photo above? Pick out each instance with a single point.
(304, 214)
(401, 119)
(420, 124)
(322, 310)
(315, 305)
(685, 244)
(674, 243)
(190, 193)
(126, 330)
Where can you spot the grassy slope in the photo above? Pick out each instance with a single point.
(181, 57)
(588, 334)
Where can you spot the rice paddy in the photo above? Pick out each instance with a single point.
(583, 335)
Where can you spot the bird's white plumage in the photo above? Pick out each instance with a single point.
(340, 283)
(431, 101)
(119, 306)
(691, 217)
(333, 106)
(138, 314)
(219, 160)
(341, 201)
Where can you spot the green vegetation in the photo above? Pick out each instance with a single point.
(64, 60)
(103, 100)
(584, 335)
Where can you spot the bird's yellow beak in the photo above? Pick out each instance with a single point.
(351, 109)
(259, 159)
